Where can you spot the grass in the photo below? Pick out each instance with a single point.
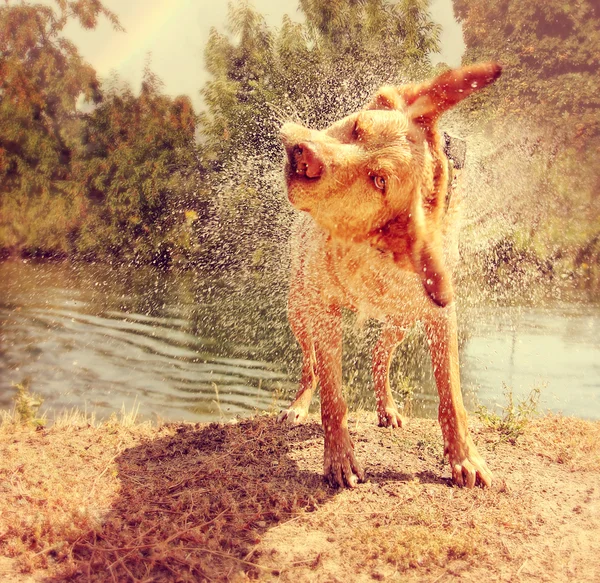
(119, 500)
(514, 417)
(189, 500)
(57, 482)
(416, 546)
(25, 414)
(26, 409)
(566, 441)
(88, 500)
(404, 393)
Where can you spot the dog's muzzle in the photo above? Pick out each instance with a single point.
(305, 160)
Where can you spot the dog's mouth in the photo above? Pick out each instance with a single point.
(305, 161)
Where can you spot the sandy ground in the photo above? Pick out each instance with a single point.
(246, 501)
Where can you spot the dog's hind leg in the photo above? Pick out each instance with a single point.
(387, 412)
(298, 316)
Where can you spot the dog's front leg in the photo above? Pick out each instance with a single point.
(340, 465)
(297, 314)
(468, 467)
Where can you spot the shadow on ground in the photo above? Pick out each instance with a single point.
(193, 504)
(232, 502)
(195, 501)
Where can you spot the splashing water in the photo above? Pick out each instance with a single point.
(214, 343)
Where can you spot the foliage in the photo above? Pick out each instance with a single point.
(309, 68)
(511, 423)
(26, 409)
(41, 78)
(109, 182)
(550, 52)
(128, 179)
(136, 153)
(546, 115)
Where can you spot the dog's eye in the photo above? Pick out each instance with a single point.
(356, 131)
(379, 182)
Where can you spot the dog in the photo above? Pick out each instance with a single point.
(375, 234)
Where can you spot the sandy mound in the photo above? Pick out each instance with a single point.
(246, 500)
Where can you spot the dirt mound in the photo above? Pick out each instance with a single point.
(246, 500)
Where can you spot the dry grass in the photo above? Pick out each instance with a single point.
(411, 547)
(565, 440)
(219, 502)
(137, 503)
(57, 484)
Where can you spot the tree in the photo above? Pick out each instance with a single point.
(41, 78)
(551, 58)
(317, 70)
(546, 111)
(138, 155)
(398, 36)
(245, 80)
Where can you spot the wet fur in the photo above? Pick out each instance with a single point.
(374, 235)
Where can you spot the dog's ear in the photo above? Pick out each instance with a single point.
(427, 257)
(388, 97)
(424, 103)
(428, 101)
(428, 260)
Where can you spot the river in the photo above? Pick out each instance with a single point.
(185, 345)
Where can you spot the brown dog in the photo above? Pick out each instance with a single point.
(375, 237)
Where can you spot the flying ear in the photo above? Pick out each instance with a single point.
(419, 238)
(388, 97)
(429, 264)
(417, 247)
(430, 99)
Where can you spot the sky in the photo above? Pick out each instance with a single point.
(175, 32)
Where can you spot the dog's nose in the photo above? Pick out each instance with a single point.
(305, 160)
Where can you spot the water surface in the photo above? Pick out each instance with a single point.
(200, 346)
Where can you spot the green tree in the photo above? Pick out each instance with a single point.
(546, 111)
(317, 70)
(42, 76)
(551, 58)
(394, 36)
(137, 162)
(245, 80)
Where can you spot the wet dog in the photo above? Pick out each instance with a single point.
(375, 234)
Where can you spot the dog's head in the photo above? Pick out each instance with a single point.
(380, 174)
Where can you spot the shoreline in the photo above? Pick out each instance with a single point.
(246, 500)
(520, 282)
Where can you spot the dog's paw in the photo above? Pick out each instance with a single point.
(341, 468)
(468, 467)
(389, 417)
(292, 416)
